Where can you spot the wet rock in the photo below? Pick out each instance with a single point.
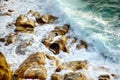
(2, 40)
(56, 77)
(10, 39)
(32, 68)
(104, 77)
(56, 61)
(23, 24)
(82, 44)
(75, 76)
(10, 10)
(74, 40)
(72, 65)
(59, 45)
(30, 12)
(36, 15)
(46, 19)
(5, 72)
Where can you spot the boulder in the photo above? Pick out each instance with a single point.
(104, 77)
(32, 68)
(72, 65)
(74, 76)
(59, 45)
(46, 19)
(5, 72)
(56, 77)
(23, 24)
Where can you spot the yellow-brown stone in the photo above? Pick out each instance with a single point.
(5, 72)
(32, 67)
(56, 77)
(75, 76)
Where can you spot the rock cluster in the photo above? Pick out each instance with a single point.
(34, 67)
(60, 44)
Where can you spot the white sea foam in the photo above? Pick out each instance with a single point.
(95, 59)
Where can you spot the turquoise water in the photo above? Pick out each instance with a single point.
(95, 21)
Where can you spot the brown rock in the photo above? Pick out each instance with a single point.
(75, 76)
(58, 45)
(60, 67)
(72, 65)
(5, 72)
(56, 77)
(76, 65)
(32, 67)
(38, 57)
(104, 77)
(23, 21)
(10, 10)
(46, 42)
(10, 39)
(2, 40)
(74, 39)
(56, 61)
(24, 25)
(30, 12)
(83, 44)
(46, 19)
(36, 15)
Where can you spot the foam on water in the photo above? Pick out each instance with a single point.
(97, 35)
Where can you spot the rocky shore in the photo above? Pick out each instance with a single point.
(37, 41)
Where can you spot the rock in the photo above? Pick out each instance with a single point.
(46, 42)
(10, 39)
(82, 44)
(58, 45)
(46, 19)
(2, 40)
(56, 77)
(23, 24)
(56, 61)
(72, 65)
(36, 15)
(5, 72)
(75, 76)
(76, 65)
(30, 12)
(74, 40)
(32, 68)
(104, 77)
(10, 10)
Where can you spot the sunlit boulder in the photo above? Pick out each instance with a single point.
(32, 68)
(5, 72)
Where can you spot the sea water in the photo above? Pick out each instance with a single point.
(95, 21)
